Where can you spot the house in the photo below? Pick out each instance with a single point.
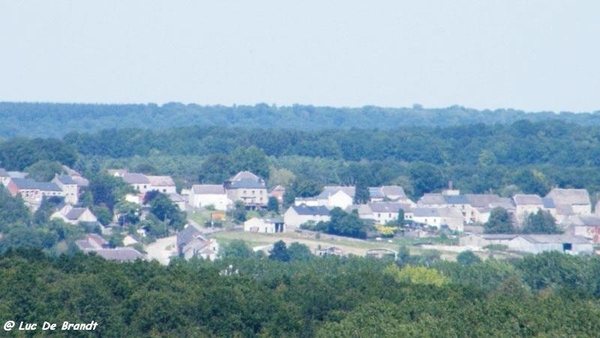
(278, 192)
(336, 196)
(577, 199)
(164, 184)
(204, 195)
(267, 226)
(454, 201)
(95, 244)
(300, 214)
(526, 205)
(482, 205)
(191, 243)
(308, 201)
(69, 187)
(72, 215)
(389, 193)
(384, 212)
(32, 191)
(541, 243)
(177, 200)
(587, 226)
(438, 217)
(248, 188)
(145, 183)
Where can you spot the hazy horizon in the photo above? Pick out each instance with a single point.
(530, 56)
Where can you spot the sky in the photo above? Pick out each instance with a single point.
(530, 55)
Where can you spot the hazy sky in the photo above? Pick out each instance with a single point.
(530, 55)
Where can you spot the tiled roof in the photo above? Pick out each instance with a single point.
(161, 181)
(205, 189)
(570, 196)
(436, 212)
(135, 178)
(306, 210)
(555, 239)
(65, 179)
(245, 175)
(245, 183)
(75, 213)
(521, 199)
(393, 191)
(429, 199)
(456, 199)
(25, 183)
(332, 190)
(388, 207)
(118, 254)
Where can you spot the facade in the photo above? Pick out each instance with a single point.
(248, 188)
(266, 226)
(526, 205)
(203, 195)
(384, 212)
(32, 191)
(145, 183)
(438, 217)
(336, 197)
(73, 215)
(300, 214)
(191, 243)
(69, 187)
(578, 200)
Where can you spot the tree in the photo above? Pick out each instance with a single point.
(401, 218)
(252, 159)
(239, 212)
(361, 194)
(279, 252)
(425, 177)
(540, 222)
(273, 204)
(165, 210)
(237, 248)
(299, 252)
(44, 170)
(467, 258)
(499, 222)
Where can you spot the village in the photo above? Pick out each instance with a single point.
(448, 221)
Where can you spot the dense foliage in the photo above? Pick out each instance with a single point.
(44, 119)
(324, 297)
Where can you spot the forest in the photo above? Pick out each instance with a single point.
(55, 120)
(291, 294)
(524, 156)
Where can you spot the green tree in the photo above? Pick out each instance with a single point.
(252, 159)
(361, 194)
(273, 204)
(237, 248)
(299, 252)
(44, 171)
(540, 222)
(279, 252)
(239, 212)
(103, 214)
(499, 222)
(467, 258)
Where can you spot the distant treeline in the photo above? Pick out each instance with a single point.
(524, 156)
(55, 120)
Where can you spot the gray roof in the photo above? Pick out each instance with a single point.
(376, 192)
(483, 200)
(429, 199)
(176, 198)
(522, 199)
(135, 178)
(81, 181)
(245, 183)
(436, 212)
(306, 210)
(590, 220)
(118, 254)
(161, 181)
(65, 179)
(188, 234)
(245, 175)
(75, 213)
(25, 183)
(388, 207)
(456, 199)
(332, 190)
(548, 203)
(555, 239)
(3, 173)
(393, 190)
(570, 196)
(205, 189)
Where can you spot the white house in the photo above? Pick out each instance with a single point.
(69, 187)
(336, 196)
(267, 226)
(438, 217)
(300, 214)
(145, 183)
(248, 188)
(384, 212)
(203, 195)
(72, 215)
(577, 199)
(526, 205)
(191, 243)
